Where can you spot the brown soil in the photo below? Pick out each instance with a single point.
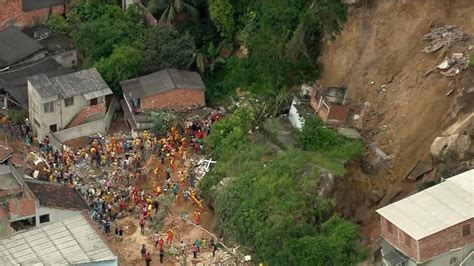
(381, 43)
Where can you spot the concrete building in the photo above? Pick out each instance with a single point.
(20, 13)
(17, 202)
(178, 90)
(432, 227)
(73, 241)
(55, 202)
(333, 107)
(66, 101)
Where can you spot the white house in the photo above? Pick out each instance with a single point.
(66, 101)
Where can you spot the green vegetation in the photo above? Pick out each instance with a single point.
(58, 23)
(471, 60)
(270, 203)
(164, 120)
(124, 63)
(169, 10)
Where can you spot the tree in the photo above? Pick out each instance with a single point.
(163, 120)
(124, 63)
(210, 60)
(222, 13)
(170, 9)
(99, 35)
(58, 23)
(167, 48)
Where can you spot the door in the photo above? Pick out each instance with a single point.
(53, 128)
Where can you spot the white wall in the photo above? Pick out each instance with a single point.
(67, 59)
(296, 120)
(55, 215)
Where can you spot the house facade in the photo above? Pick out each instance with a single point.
(432, 227)
(173, 89)
(66, 101)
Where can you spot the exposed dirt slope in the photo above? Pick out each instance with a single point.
(381, 43)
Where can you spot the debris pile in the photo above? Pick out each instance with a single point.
(443, 36)
(454, 65)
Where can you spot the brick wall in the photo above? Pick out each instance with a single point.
(177, 99)
(445, 241)
(11, 12)
(398, 239)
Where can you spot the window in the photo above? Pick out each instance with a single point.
(94, 101)
(390, 227)
(407, 240)
(69, 101)
(53, 128)
(44, 218)
(466, 230)
(49, 107)
(453, 261)
(38, 125)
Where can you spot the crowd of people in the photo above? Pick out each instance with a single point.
(130, 175)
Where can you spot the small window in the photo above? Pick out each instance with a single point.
(94, 101)
(69, 101)
(390, 227)
(407, 240)
(453, 261)
(53, 128)
(466, 230)
(49, 107)
(44, 218)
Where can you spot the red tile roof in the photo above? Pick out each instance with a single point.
(55, 195)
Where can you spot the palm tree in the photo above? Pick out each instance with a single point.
(209, 60)
(170, 9)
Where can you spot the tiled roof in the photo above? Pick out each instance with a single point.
(16, 46)
(73, 241)
(77, 83)
(5, 153)
(54, 195)
(160, 81)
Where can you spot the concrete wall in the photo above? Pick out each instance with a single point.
(177, 99)
(11, 13)
(67, 59)
(55, 215)
(87, 129)
(296, 120)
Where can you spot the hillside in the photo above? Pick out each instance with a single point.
(378, 56)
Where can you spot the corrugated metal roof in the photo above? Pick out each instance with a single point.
(71, 241)
(160, 81)
(83, 82)
(434, 209)
(29, 5)
(15, 46)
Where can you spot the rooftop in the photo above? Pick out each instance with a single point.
(434, 209)
(86, 82)
(16, 46)
(14, 80)
(5, 153)
(55, 195)
(72, 241)
(29, 5)
(161, 81)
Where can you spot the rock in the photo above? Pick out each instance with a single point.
(453, 147)
(374, 196)
(438, 146)
(327, 184)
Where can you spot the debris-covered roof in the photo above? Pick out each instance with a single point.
(70, 242)
(16, 46)
(160, 81)
(78, 83)
(5, 153)
(55, 195)
(434, 209)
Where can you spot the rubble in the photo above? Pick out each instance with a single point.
(443, 36)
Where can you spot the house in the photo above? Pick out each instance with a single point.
(16, 47)
(17, 202)
(20, 13)
(22, 57)
(74, 241)
(55, 202)
(333, 107)
(67, 101)
(432, 227)
(174, 89)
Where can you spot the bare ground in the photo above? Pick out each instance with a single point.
(381, 44)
